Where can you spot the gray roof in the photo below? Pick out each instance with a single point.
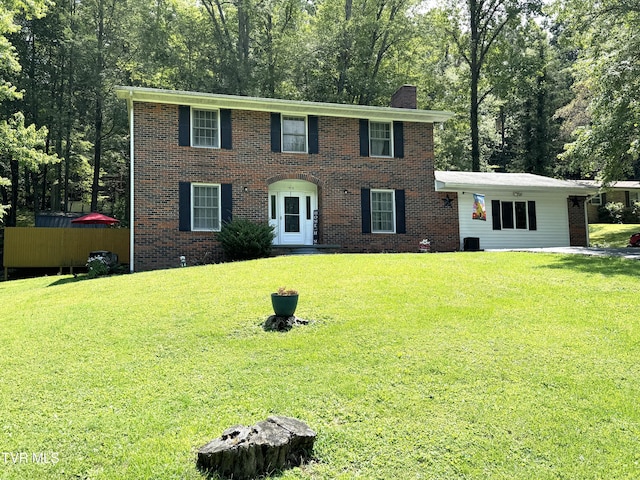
(620, 185)
(453, 181)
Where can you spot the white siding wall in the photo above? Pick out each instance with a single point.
(551, 213)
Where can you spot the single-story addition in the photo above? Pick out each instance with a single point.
(517, 210)
(346, 177)
(626, 192)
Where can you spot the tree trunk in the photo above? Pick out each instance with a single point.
(97, 146)
(15, 177)
(474, 65)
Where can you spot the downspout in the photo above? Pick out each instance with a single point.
(586, 220)
(131, 181)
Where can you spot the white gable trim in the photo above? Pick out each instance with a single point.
(286, 107)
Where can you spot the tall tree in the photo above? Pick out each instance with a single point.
(20, 145)
(477, 29)
(358, 49)
(607, 74)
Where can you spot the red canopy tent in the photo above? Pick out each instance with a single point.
(95, 219)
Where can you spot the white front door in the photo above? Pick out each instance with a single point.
(291, 212)
(292, 215)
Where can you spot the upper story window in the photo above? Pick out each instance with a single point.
(382, 211)
(205, 207)
(380, 139)
(294, 134)
(205, 128)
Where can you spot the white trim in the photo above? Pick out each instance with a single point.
(131, 188)
(288, 107)
(393, 206)
(295, 187)
(191, 206)
(191, 142)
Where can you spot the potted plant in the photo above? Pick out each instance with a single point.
(284, 302)
(425, 245)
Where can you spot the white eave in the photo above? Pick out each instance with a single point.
(286, 107)
(481, 182)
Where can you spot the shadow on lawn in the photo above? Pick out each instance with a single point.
(74, 279)
(609, 266)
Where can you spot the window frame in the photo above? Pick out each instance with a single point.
(392, 193)
(372, 139)
(283, 133)
(219, 207)
(596, 199)
(217, 128)
(517, 216)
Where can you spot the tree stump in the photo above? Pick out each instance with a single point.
(243, 453)
(277, 323)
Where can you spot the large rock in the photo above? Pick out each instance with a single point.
(243, 453)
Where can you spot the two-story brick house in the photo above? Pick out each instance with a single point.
(353, 178)
(357, 178)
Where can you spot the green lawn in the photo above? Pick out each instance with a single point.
(611, 235)
(434, 366)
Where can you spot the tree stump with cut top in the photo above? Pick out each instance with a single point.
(243, 453)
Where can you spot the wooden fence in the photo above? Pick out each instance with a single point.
(33, 247)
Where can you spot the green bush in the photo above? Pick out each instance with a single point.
(97, 266)
(242, 239)
(615, 210)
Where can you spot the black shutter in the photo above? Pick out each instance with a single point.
(226, 200)
(604, 199)
(401, 226)
(184, 125)
(365, 195)
(627, 199)
(398, 140)
(533, 221)
(364, 138)
(184, 206)
(495, 214)
(312, 126)
(225, 129)
(275, 133)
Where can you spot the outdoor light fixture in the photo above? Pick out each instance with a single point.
(517, 194)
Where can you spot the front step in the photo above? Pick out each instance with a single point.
(304, 249)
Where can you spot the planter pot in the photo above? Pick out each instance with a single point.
(284, 305)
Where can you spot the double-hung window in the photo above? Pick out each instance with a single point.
(294, 134)
(205, 128)
(382, 211)
(205, 207)
(380, 135)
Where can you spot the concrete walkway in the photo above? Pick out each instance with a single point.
(630, 253)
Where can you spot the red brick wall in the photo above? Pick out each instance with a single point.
(577, 222)
(160, 164)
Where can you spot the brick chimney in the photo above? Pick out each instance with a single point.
(405, 97)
